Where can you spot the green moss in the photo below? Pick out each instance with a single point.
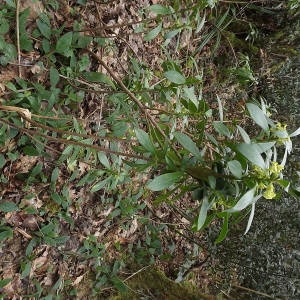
(152, 282)
(239, 44)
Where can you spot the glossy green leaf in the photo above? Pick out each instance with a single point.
(295, 133)
(251, 154)
(190, 92)
(164, 181)
(54, 76)
(221, 129)
(258, 116)
(188, 144)
(98, 77)
(159, 9)
(263, 147)
(235, 168)
(244, 135)
(247, 199)
(203, 213)
(64, 43)
(224, 230)
(250, 218)
(175, 77)
(153, 33)
(7, 206)
(144, 140)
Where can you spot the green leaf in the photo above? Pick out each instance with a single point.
(2, 161)
(144, 140)
(203, 213)
(54, 77)
(188, 144)
(119, 284)
(31, 151)
(98, 77)
(175, 77)
(64, 43)
(55, 174)
(250, 218)
(247, 199)
(4, 282)
(220, 108)
(163, 181)
(62, 239)
(244, 135)
(295, 133)
(98, 186)
(222, 129)
(159, 9)
(11, 3)
(153, 33)
(190, 92)
(224, 230)
(7, 206)
(48, 228)
(44, 28)
(103, 160)
(235, 168)
(258, 116)
(83, 41)
(171, 34)
(5, 232)
(251, 153)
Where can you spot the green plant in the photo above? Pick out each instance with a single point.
(152, 138)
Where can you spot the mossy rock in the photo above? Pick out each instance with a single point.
(154, 283)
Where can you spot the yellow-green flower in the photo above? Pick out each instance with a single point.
(259, 172)
(280, 126)
(275, 169)
(269, 193)
(261, 186)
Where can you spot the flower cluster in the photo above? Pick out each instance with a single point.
(267, 178)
